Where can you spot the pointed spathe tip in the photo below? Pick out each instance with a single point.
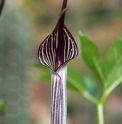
(80, 33)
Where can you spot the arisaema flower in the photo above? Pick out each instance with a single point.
(54, 52)
(1, 5)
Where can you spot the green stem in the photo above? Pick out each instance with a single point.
(90, 98)
(100, 113)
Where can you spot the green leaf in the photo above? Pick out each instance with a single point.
(70, 86)
(46, 78)
(113, 58)
(91, 56)
(92, 86)
(113, 67)
(39, 66)
(114, 81)
(76, 80)
(2, 106)
(117, 74)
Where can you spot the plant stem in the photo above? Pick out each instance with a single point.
(90, 98)
(100, 113)
(59, 97)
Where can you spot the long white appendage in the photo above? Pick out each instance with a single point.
(59, 97)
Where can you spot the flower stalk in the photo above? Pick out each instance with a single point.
(100, 113)
(59, 97)
(54, 52)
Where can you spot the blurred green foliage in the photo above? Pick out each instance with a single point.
(2, 106)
